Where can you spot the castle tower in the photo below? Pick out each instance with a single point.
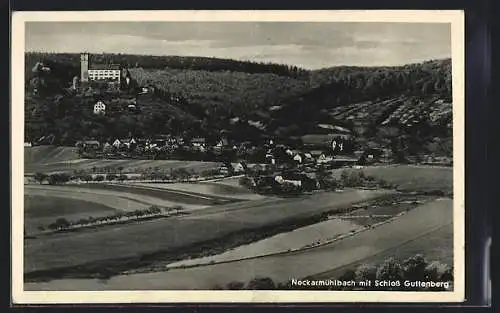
(84, 67)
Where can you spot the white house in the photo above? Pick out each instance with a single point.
(297, 158)
(99, 108)
(280, 180)
(239, 168)
(117, 143)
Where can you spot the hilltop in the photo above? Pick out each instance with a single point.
(199, 96)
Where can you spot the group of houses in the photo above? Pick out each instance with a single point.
(152, 144)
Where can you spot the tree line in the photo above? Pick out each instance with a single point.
(174, 62)
(61, 223)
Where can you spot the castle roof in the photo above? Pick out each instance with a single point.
(104, 67)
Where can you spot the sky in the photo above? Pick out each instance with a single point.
(305, 44)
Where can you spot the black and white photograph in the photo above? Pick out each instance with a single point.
(238, 156)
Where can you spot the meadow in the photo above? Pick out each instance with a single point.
(418, 225)
(41, 210)
(49, 159)
(411, 178)
(119, 247)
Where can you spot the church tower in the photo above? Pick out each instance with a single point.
(84, 66)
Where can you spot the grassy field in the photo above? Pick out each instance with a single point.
(434, 246)
(44, 209)
(418, 225)
(53, 159)
(121, 200)
(133, 241)
(187, 195)
(209, 189)
(45, 154)
(418, 178)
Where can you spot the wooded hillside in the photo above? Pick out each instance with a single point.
(204, 96)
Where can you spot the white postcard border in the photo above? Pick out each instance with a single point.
(19, 296)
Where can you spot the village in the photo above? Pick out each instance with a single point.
(156, 181)
(280, 159)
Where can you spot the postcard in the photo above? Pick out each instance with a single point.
(238, 156)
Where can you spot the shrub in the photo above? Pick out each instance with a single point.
(384, 184)
(370, 178)
(351, 178)
(414, 267)
(86, 177)
(436, 271)
(111, 177)
(235, 285)
(261, 283)
(99, 178)
(448, 274)
(154, 209)
(246, 182)
(122, 177)
(289, 188)
(40, 177)
(58, 178)
(348, 275)
(62, 223)
(391, 269)
(366, 272)
(329, 183)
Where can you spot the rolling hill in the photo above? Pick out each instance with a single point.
(204, 96)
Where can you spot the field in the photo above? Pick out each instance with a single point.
(414, 178)
(49, 159)
(221, 218)
(188, 196)
(435, 246)
(137, 240)
(45, 203)
(45, 209)
(120, 200)
(417, 225)
(210, 189)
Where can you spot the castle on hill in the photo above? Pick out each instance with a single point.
(109, 73)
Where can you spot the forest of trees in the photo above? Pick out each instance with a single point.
(173, 62)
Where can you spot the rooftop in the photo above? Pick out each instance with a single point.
(104, 67)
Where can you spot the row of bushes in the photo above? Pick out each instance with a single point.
(172, 174)
(415, 268)
(63, 224)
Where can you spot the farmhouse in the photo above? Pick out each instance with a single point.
(88, 144)
(100, 108)
(197, 142)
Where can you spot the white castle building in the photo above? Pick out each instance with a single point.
(94, 72)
